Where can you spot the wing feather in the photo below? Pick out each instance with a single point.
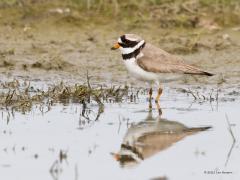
(159, 61)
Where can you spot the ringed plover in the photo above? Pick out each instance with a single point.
(147, 62)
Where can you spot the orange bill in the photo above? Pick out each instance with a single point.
(116, 156)
(116, 46)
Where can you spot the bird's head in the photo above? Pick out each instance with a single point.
(129, 43)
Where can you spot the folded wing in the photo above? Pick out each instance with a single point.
(159, 61)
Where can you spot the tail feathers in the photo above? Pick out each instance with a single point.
(207, 73)
(199, 129)
(188, 69)
(200, 73)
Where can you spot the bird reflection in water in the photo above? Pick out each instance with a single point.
(150, 136)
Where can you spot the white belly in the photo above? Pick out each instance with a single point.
(138, 72)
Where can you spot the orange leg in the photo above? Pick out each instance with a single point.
(158, 95)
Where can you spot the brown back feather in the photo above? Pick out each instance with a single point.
(159, 61)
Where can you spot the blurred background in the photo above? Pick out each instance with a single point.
(165, 13)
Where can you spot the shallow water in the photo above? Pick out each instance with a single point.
(62, 144)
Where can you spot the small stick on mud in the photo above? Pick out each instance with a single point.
(88, 81)
(89, 87)
(217, 96)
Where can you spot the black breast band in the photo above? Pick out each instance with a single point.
(134, 53)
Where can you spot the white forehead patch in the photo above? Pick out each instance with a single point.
(119, 40)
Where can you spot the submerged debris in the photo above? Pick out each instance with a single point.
(211, 96)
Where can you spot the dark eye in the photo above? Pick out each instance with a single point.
(128, 43)
(124, 45)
